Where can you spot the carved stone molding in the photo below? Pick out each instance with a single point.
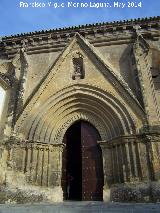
(59, 134)
(40, 38)
(5, 80)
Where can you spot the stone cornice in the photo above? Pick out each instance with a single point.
(16, 143)
(100, 34)
(123, 139)
(150, 22)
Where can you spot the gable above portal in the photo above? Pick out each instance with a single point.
(97, 74)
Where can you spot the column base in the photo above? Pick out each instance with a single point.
(106, 195)
(135, 192)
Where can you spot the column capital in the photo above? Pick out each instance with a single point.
(103, 144)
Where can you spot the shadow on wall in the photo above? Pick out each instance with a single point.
(125, 67)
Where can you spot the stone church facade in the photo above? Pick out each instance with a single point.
(81, 119)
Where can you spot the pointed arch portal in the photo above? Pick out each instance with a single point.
(82, 168)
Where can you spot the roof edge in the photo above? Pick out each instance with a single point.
(81, 27)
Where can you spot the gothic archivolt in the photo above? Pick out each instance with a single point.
(47, 122)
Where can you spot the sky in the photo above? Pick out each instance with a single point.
(18, 16)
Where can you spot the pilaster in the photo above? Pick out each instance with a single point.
(153, 150)
(21, 67)
(141, 53)
(107, 169)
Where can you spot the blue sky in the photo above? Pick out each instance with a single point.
(16, 20)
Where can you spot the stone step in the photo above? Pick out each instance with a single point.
(80, 207)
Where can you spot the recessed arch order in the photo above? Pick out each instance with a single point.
(78, 102)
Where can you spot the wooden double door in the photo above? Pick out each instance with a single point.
(82, 168)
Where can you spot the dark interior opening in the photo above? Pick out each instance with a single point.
(74, 163)
(82, 167)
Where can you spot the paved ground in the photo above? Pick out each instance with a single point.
(78, 207)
